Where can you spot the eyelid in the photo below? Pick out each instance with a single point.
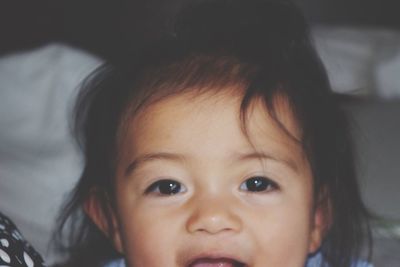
(156, 185)
(271, 183)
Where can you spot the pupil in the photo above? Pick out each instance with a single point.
(256, 184)
(169, 187)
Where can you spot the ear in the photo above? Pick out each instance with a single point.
(95, 209)
(322, 219)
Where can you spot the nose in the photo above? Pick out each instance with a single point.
(213, 215)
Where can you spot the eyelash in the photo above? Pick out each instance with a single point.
(166, 187)
(169, 187)
(258, 184)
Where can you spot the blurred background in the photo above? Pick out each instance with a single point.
(48, 47)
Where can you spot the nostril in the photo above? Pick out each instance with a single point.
(212, 214)
(213, 224)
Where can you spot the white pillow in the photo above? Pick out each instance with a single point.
(39, 163)
(361, 60)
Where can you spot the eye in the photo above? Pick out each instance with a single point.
(258, 184)
(166, 187)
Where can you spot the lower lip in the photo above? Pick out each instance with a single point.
(220, 264)
(213, 263)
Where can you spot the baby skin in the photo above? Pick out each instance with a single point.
(194, 188)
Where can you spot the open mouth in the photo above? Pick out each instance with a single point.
(217, 262)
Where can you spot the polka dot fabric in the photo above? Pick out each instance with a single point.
(14, 250)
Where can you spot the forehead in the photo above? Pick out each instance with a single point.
(209, 123)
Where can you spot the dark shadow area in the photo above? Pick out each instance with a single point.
(109, 28)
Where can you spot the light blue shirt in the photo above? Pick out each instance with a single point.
(115, 263)
(312, 262)
(316, 261)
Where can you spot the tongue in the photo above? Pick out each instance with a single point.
(213, 263)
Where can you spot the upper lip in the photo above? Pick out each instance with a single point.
(213, 256)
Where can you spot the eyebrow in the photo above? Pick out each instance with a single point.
(153, 156)
(262, 155)
(181, 158)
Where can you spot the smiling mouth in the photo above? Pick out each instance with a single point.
(218, 262)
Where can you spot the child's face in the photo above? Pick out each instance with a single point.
(191, 189)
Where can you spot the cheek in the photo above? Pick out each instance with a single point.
(147, 241)
(148, 234)
(282, 233)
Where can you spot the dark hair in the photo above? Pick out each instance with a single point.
(263, 46)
